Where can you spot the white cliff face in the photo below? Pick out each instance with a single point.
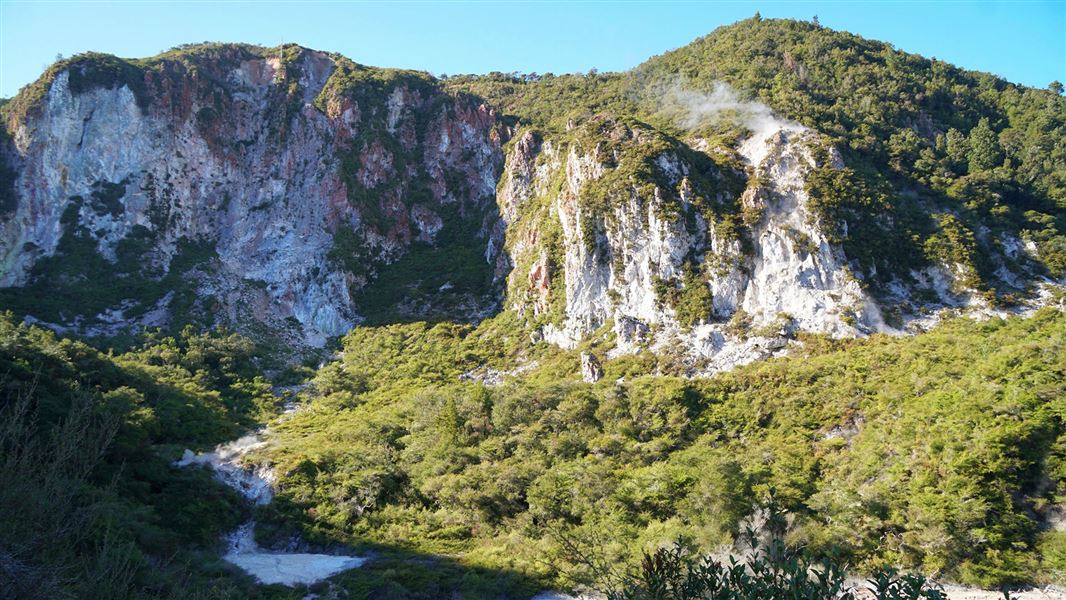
(794, 270)
(263, 208)
(587, 276)
(788, 278)
(258, 175)
(108, 143)
(627, 256)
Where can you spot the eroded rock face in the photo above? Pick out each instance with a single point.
(794, 271)
(591, 369)
(655, 238)
(630, 260)
(250, 155)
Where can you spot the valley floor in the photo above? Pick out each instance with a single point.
(932, 452)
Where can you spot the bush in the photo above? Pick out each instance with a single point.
(770, 569)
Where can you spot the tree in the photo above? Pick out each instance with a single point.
(449, 423)
(1055, 87)
(957, 147)
(985, 151)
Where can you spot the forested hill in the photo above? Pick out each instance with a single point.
(910, 184)
(916, 133)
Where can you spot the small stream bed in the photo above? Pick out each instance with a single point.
(256, 486)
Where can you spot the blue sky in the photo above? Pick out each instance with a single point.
(1023, 41)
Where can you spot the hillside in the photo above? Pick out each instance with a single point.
(940, 452)
(226, 184)
(292, 193)
(505, 329)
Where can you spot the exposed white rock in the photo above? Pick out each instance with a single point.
(494, 377)
(591, 369)
(789, 279)
(286, 568)
(256, 484)
(266, 187)
(790, 275)
(794, 270)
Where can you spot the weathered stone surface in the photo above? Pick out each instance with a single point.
(591, 369)
(245, 160)
(309, 187)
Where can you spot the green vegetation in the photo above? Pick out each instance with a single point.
(90, 70)
(8, 198)
(695, 302)
(448, 279)
(927, 453)
(93, 507)
(937, 454)
(549, 101)
(772, 569)
(369, 87)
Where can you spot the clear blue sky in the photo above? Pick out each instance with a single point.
(1023, 41)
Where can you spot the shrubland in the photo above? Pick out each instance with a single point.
(92, 506)
(939, 453)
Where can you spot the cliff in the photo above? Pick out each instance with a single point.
(278, 181)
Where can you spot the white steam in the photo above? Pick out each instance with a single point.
(693, 109)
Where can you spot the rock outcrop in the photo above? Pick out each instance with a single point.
(591, 369)
(698, 249)
(306, 174)
(716, 253)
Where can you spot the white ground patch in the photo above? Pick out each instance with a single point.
(256, 484)
(952, 592)
(286, 568)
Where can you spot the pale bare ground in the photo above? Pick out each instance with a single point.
(958, 592)
(953, 592)
(962, 593)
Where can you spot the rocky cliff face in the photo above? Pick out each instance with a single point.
(301, 191)
(306, 175)
(698, 249)
(716, 252)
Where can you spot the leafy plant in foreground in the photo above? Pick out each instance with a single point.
(771, 569)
